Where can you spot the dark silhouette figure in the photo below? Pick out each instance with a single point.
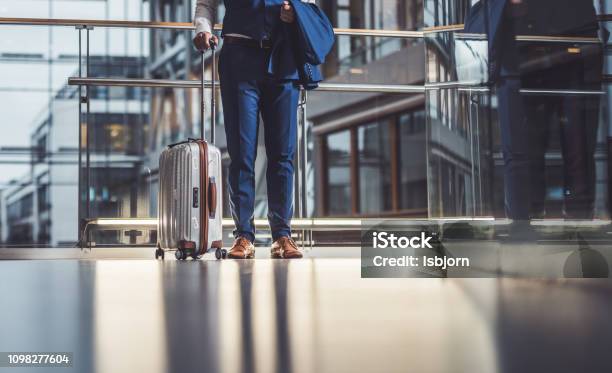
(572, 118)
(525, 121)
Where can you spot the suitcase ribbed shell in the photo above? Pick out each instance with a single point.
(180, 203)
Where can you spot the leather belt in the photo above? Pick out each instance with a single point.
(261, 44)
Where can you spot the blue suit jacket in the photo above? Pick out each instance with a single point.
(302, 46)
(314, 32)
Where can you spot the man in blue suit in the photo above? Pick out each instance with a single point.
(254, 83)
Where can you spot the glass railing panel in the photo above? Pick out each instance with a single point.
(458, 116)
(113, 52)
(122, 121)
(126, 139)
(118, 52)
(39, 146)
(375, 60)
(380, 14)
(443, 13)
(132, 10)
(522, 131)
(459, 146)
(456, 58)
(366, 157)
(369, 155)
(567, 133)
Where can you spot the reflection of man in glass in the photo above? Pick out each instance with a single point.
(525, 122)
(567, 66)
(497, 19)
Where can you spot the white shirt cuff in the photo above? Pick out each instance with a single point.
(202, 25)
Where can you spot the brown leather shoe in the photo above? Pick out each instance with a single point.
(286, 248)
(242, 249)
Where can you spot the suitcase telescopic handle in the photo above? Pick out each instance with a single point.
(213, 116)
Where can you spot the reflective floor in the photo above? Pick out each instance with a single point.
(313, 315)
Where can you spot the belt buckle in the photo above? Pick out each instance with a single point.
(261, 44)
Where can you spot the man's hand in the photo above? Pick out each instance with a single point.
(287, 15)
(203, 39)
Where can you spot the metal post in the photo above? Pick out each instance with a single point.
(297, 198)
(471, 105)
(478, 156)
(213, 111)
(81, 235)
(87, 132)
(213, 106)
(304, 130)
(80, 225)
(302, 162)
(203, 102)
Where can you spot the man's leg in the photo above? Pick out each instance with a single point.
(579, 137)
(538, 112)
(514, 137)
(240, 113)
(578, 160)
(512, 124)
(279, 112)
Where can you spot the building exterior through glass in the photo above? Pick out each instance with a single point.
(437, 153)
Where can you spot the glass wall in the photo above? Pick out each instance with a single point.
(528, 138)
(374, 164)
(517, 112)
(39, 146)
(338, 186)
(374, 167)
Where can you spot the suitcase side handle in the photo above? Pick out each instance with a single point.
(212, 197)
(213, 47)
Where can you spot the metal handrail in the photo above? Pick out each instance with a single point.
(459, 26)
(339, 31)
(326, 87)
(322, 224)
(169, 83)
(561, 92)
(348, 224)
(318, 224)
(478, 87)
(530, 38)
(184, 26)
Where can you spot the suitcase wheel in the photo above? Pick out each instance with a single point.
(159, 253)
(180, 255)
(220, 253)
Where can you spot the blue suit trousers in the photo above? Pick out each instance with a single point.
(248, 92)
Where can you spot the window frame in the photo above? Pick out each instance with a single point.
(393, 121)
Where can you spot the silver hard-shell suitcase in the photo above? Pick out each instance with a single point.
(190, 199)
